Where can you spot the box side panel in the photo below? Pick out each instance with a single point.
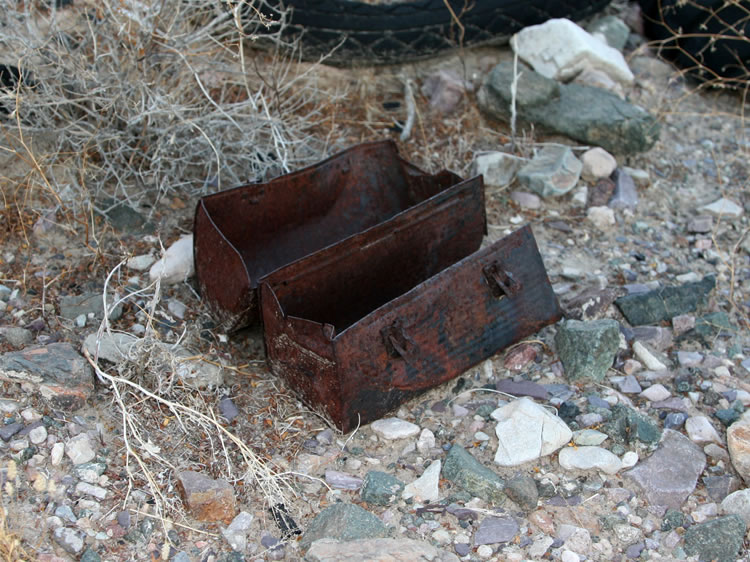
(446, 325)
(223, 281)
(346, 282)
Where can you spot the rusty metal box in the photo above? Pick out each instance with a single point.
(244, 233)
(361, 327)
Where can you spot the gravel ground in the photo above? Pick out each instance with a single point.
(663, 407)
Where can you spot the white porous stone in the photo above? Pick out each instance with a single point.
(79, 449)
(56, 454)
(561, 50)
(177, 263)
(602, 218)
(587, 458)
(425, 488)
(527, 431)
(597, 164)
(647, 358)
(38, 435)
(394, 428)
(426, 441)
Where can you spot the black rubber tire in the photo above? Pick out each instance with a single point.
(402, 31)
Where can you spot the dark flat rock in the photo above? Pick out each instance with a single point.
(658, 305)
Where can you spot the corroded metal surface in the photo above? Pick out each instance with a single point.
(385, 315)
(244, 233)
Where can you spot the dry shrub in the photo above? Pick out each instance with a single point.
(135, 100)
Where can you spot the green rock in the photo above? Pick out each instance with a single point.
(665, 303)
(708, 327)
(552, 172)
(728, 416)
(626, 425)
(381, 488)
(587, 349)
(343, 522)
(90, 555)
(719, 539)
(522, 490)
(466, 471)
(96, 467)
(608, 121)
(614, 30)
(673, 519)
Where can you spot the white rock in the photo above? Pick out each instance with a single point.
(629, 459)
(647, 358)
(426, 441)
(56, 454)
(38, 435)
(177, 263)
(656, 393)
(527, 431)
(704, 512)
(575, 538)
(112, 346)
(498, 168)
(140, 263)
(394, 428)
(597, 164)
(724, 208)
(738, 503)
(602, 218)
(700, 430)
(561, 50)
(236, 533)
(425, 488)
(569, 556)
(484, 551)
(441, 536)
(587, 458)
(599, 79)
(85, 489)
(79, 449)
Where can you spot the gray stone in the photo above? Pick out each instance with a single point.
(72, 306)
(616, 125)
(90, 471)
(662, 304)
(738, 503)
(552, 172)
(625, 195)
(394, 428)
(719, 540)
(344, 522)
(523, 491)
(113, 347)
(444, 89)
(719, 487)
(588, 458)
(236, 533)
(614, 30)
(70, 540)
(90, 555)
(16, 336)
(228, 409)
(493, 530)
(426, 487)
(626, 425)
(522, 388)
(709, 327)
(61, 375)
(526, 200)
(587, 349)
(724, 208)
(670, 474)
(629, 385)
(380, 550)
(65, 512)
(702, 224)
(181, 556)
(124, 218)
(381, 488)
(123, 519)
(342, 480)
(463, 469)
(8, 431)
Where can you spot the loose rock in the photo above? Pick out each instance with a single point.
(526, 431)
(662, 304)
(394, 428)
(206, 499)
(587, 349)
(670, 474)
(380, 488)
(376, 550)
(177, 263)
(720, 539)
(343, 522)
(498, 168)
(494, 530)
(586, 458)
(738, 443)
(552, 172)
(425, 488)
(597, 163)
(725, 208)
(463, 469)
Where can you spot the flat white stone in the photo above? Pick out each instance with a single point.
(629, 459)
(561, 50)
(700, 430)
(114, 346)
(527, 431)
(425, 488)
(647, 358)
(724, 207)
(79, 449)
(426, 441)
(589, 437)
(38, 435)
(656, 393)
(394, 428)
(140, 263)
(177, 263)
(587, 458)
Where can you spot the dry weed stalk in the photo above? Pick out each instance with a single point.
(137, 100)
(168, 425)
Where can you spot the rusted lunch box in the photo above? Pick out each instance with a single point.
(244, 233)
(360, 327)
